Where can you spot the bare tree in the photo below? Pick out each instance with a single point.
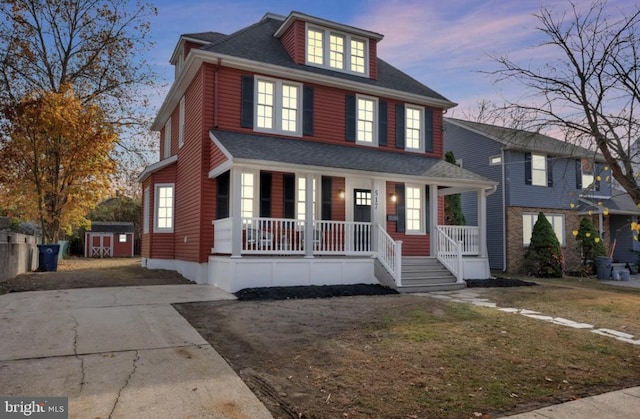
(590, 92)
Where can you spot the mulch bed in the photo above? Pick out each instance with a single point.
(498, 282)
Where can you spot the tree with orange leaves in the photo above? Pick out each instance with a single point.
(55, 162)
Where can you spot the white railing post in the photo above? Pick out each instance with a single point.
(460, 269)
(397, 263)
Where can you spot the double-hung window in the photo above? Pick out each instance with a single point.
(556, 221)
(301, 199)
(366, 117)
(337, 51)
(414, 204)
(538, 169)
(278, 106)
(587, 172)
(414, 128)
(164, 208)
(248, 190)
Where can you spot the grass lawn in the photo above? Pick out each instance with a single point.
(415, 356)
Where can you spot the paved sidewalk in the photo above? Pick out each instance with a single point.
(118, 353)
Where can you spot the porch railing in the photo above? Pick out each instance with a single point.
(390, 255)
(468, 236)
(450, 253)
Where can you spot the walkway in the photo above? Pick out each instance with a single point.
(118, 353)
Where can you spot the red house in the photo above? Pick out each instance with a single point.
(290, 154)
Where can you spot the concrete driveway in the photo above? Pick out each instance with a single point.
(118, 353)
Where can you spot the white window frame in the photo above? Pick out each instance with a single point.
(421, 210)
(420, 111)
(278, 106)
(536, 158)
(557, 222)
(167, 139)
(374, 127)
(254, 198)
(181, 122)
(122, 238)
(333, 51)
(156, 218)
(301, 197)
(146, 210)
(326, 50)
(586, 178)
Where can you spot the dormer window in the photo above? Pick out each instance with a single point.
(337, 51)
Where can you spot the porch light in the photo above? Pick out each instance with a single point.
(341, 194)
(394, 197)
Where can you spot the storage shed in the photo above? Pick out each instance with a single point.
(109, 239)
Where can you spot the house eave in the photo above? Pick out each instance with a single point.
(293, 16)
(197, 57)
(149, 170)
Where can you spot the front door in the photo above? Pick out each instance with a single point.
(361, 213)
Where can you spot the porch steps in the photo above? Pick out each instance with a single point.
(425, 274)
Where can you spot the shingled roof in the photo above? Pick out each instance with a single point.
(308, 153)
(257, 43)
(525, 140)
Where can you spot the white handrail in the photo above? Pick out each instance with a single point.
(389, 253)
(450, 254)
(469, 236)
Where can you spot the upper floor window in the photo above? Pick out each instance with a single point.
(587, 173)
(167, 139)
(278, 106)
(366, 121)
(181, 123)
(338, 51)
(414, 139)
(538, 170)
(495, 160)
(164, 208)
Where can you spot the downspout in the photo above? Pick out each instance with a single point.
(504, 213)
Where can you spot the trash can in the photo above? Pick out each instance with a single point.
(48, 257)
(625, 275)
(603, 267)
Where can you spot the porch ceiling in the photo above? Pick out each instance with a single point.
(619, 203)
(366, 159)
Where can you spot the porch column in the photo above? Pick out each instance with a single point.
(433, 219)
(236, 213)
(308, 216)
(378, 210)
(482, 222)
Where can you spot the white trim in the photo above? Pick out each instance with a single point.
(193, 271)
(326, 49)
(167, 139)
(146, 211)
(181, 122)
(277, 106)
(293, 16)
(156, 166)
(421, 210)
(374, 128)
(420, 109)
(197, 56)
(156, 198)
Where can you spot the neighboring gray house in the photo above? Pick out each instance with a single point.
(537, 173)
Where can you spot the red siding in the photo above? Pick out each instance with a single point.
(288, 40)
(216, 156)
(125, 249)
(160, 245)
(277, 195)
(373, 59)
(188, 46)
(338, 205)
(412, 244)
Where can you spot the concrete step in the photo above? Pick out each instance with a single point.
(429, 288)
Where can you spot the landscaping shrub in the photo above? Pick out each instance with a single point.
(543, 258)
(590, 243)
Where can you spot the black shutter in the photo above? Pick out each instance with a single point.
(579, 175)
(527, 168)
(401, 212)
(326, 198)
(265, 194)
(222, 195)
(246, 112)
(596, 174)
(382, 123)
(549, 171)
(400, 134)
(350, 117)
(289, 193)
(307, 110)
(428, 130)
(426, 209)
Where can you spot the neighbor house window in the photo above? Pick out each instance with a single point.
(181, 124)
(164, 199)
(366, 121)
(538, 169)
(529, 220)
(301, 208)
(278, 106)
(247, 194)
(167, 139)
(414, 131)
(337, 51)
(414, 201)
(495, 160)
(587, 171)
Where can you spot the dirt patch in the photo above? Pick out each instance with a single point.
(406, 356)
(90, 273)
